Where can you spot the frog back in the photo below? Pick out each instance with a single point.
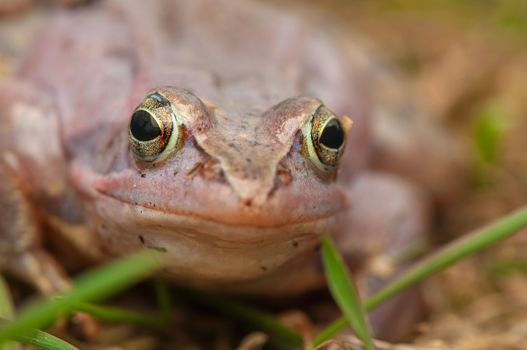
(98, 62)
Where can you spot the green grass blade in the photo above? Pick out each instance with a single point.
(445, 257)
(164, 299)
(41, 340)
(7, 311)
(115, 314)
(92, 286)
(344, 292)
(44, 341)
(328, 332)
(33, 337)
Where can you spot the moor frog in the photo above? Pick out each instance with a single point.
(214, 131)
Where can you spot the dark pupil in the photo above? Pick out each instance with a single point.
(143, 126)
(332, 135)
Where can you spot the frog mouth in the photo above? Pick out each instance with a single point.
(218, 205)
(244, 219)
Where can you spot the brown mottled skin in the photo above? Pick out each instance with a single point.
(239, 207)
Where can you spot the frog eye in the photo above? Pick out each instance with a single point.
(325, 138)
(154, 131)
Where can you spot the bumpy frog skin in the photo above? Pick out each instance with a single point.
(239, 201)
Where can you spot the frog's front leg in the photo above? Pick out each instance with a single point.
(31, 168)
(20, 247)
(388, 217)
(21, 251)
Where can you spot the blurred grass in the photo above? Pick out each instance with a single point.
(44, 341)
(7, 311)
(115, 277)
(466, 245)
(93, 285)
(488, 132)
(344, 292)
(164, 299)
(489, 129)
(114, 314)
(32, 337)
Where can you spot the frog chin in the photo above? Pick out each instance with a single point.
(203, 252)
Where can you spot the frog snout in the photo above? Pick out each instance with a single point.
(252, 192)
(283, 177)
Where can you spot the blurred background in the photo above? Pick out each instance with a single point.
(466, 63)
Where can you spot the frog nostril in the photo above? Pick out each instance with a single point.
(209, 170)
(284, 175)
(248, 202)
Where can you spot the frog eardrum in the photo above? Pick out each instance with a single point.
(325, 138)
(154, 130)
